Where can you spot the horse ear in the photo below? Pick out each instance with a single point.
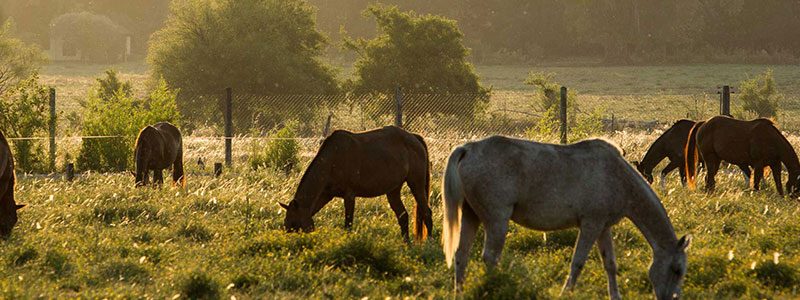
(286, 207)
(685, 242)
(18, 206)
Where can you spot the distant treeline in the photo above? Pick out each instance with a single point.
(519, 31)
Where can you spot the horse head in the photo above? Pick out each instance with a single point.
(793, 185)
(8, 218)
(297, 218)
(668, 270)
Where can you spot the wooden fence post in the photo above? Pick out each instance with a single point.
(725, 104)
(70, 171)
(52, 125)
(228, 126)
(398, 99)
(217, 169)
(563, 115)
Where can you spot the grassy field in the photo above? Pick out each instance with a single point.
(97, 237)
(221, 237)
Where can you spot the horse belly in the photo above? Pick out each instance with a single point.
(545, 217)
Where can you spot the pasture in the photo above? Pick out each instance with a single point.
(97, 237)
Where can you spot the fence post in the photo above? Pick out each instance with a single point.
(563, 115)
(70, 171)
(217, 169)
(398, 99)
(52, 126)
(228, 126)
(725, 105)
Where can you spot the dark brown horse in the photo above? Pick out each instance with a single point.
(158, 147)
(757, 143)
(365, 164)
(672, 145)
(8, 207)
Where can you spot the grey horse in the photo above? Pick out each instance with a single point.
(548, 187)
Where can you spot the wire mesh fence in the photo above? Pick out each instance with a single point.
(446, 120)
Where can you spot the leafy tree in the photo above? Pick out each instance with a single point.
(17, 59)
(253, 46)
(99, 38)
(25, 114)
(421, 54)
(759, 95)
(110, 110)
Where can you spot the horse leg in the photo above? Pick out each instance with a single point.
(606, 246)
(589, 233)
(746, 172)
(712, 166)
(494, 240)
(158, 177)
(396, 203)
(758, 174)
(349, 210)
(776, 174)
(177, 170)
(469, 226)
(671, 166)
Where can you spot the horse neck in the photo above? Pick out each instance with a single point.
(653, 156)
(311, 185)
(789, 157)
(650, 217)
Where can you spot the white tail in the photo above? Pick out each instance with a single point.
(453, 193)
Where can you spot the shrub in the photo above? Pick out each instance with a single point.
(778, 275)
(283, 150)
(363, 253)
(18, 60)
(498, 283)
(26, 114)
(111, 110)
(198, 285)
(759, 95)
(548, 99)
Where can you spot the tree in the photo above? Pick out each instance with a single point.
(261, 47)
(421, 54)
(25, 114)
(17, 59)
(759, 95)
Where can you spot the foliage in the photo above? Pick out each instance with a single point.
(282, 151)
(24, 113)
(580, 125)
(97, 37)
(18, 60)
(422, 54)
(116, 121)
(759, 95)
(199, 285)
(207, 46)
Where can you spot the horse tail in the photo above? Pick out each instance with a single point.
(422, 214)
(691, 157)
(453, 193)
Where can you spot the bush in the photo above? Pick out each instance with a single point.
(548, 99)
(198, 285)
(759, 95)
(26, 114)
(111, 110)
(778, 275)
(17, 59)
(282, 151)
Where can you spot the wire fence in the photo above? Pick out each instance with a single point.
(446, 120)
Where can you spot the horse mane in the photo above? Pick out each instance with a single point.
(316, 162)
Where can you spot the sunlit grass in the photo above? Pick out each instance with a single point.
(98, 237)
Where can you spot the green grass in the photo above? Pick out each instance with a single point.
(98, 237)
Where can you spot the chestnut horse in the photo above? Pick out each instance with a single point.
(548, 187)
(757, 143)
(158, 147)
(8, 207)
(672, 145)
(365, 164)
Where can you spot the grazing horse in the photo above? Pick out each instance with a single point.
(548, 187)
(8, 207)
(365, 164)
(757, 143)
(158, 147)
(672, 145)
